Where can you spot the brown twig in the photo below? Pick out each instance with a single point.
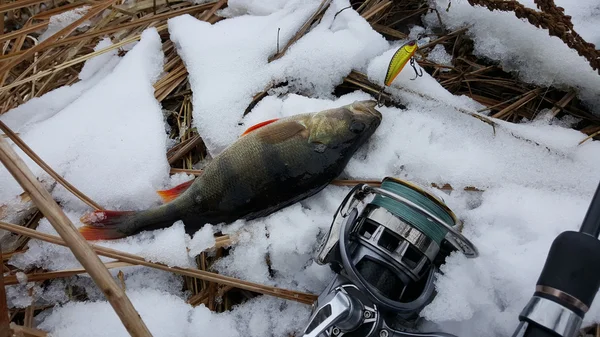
(200, 274)
(97, 9)
(4, 318)
(23, 331)
(37, 277)
(190, 144)
(74, 240)
(192, 172)
(509, 109)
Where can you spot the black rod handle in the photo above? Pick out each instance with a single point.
(591, 222)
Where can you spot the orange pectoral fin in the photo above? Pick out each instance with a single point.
(169, 195)
(258, 126)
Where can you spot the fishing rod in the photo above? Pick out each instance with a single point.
(386, 255)
(568, 282)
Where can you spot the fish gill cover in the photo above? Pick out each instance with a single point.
(106, 135)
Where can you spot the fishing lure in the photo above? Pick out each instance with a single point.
(403, 55)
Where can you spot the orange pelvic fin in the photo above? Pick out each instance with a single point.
(258, 126)
(171, 194)
(103, 225)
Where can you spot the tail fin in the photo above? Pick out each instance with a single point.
(105, 225)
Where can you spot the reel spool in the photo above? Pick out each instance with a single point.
(386, 257)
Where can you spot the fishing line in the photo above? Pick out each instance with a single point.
(411, 215)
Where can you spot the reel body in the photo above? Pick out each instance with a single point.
(386, 256)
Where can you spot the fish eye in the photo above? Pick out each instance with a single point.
(357, 127)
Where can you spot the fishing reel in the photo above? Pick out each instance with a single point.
(386, 256)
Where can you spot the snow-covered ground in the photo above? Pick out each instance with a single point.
(106, 135)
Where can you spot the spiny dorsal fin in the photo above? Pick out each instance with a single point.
(283, 131)
(258, 126)
(169, 195)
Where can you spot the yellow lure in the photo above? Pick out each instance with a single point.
(399, 60)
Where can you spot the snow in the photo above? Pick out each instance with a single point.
(527, 50)
(112, 149)
(106, 135)
(439, 55)
(224, 82)
(201, 241)
(38, 109)
(172, 317)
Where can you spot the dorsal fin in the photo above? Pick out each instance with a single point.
(169, 195)
(258, 126)
(284, 131)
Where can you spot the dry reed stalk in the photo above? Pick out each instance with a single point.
(376, 9)
(27, 150)
(45, 15)
(190, 144)
(1, 29)
(525, 99)
(134, 8)
(192, 172)
(8, 256)
(589, 137)
(170, 82)
(200, 274)
(385, 30)
(95, 10)
(74, 240)
(28, 319)
(22, 32)
(206, 16)
(68, 64)
(132, 24)
(18, 4)
(562, 103)
(37, 277)
(23, 331)
(443, 38)
(4, 317)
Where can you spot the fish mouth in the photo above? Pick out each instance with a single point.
(366, 108)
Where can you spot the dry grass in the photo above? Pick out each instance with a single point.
(30, 68)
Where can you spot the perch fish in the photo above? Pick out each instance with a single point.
(272, 165)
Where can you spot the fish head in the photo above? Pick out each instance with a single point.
(347, 127)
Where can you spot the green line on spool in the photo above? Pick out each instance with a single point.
(411, 216)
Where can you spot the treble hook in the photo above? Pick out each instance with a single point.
(417, 74)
